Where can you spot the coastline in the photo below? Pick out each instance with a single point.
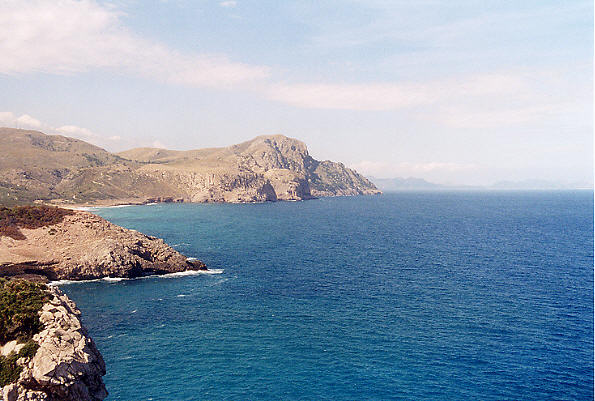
(79, 245)
(185, 273)
(125, 202)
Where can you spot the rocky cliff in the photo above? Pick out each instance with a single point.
(267, 168)
(81, 246)
(56, 361)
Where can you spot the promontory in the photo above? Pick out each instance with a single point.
(36, 167)
(59, 244)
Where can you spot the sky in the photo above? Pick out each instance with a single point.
(462, 92)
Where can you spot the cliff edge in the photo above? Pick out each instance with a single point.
(45, 351)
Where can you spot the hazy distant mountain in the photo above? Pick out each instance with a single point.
(411, 183)
(268, 168)
(398, 184)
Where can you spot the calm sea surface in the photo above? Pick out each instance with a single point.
(454, 296)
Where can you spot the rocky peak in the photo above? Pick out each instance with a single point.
(277, 152)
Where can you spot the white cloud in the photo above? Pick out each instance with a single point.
(476, 119)
(78, 132)
(70, 36)
(25, 121)
(393, 96)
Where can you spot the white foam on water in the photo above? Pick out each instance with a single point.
(67, 282)
(134, 311)
(181, 295)
(191, 273)
(118, 279)
(212, 271)
(114, 279)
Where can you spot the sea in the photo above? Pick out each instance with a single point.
(403, 296)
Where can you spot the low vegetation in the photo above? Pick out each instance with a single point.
(20, 303)
(9, 369)
(15, 218)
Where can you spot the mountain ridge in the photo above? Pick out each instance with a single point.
(58, 169)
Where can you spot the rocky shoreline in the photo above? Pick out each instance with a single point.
(58, 360)
(64, 365)
(84, 246)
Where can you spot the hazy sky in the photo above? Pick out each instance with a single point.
(462, 92)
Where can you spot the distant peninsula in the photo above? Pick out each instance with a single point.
(44, 243)
(41, 168)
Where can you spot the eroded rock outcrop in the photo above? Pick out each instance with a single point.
(85, 246)
(66, 365)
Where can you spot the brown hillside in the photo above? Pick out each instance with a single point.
(267, 168)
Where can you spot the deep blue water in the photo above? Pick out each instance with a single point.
(463, 295)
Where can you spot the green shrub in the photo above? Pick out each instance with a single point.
(20, 302)
(9, 369)
(29, 349)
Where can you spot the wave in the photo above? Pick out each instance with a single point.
(118, 279)
(67, 282)
(108, 279)
(114, 279)
(191, 273)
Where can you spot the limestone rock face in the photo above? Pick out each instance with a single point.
(85, 246)
(67, 365)
(266, 168)
(334, 179)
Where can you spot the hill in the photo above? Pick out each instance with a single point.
(66, 170)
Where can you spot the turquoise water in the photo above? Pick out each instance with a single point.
(415, 296)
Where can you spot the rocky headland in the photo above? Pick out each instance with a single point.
(45, 352)
(55, 169)
(78, 245)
